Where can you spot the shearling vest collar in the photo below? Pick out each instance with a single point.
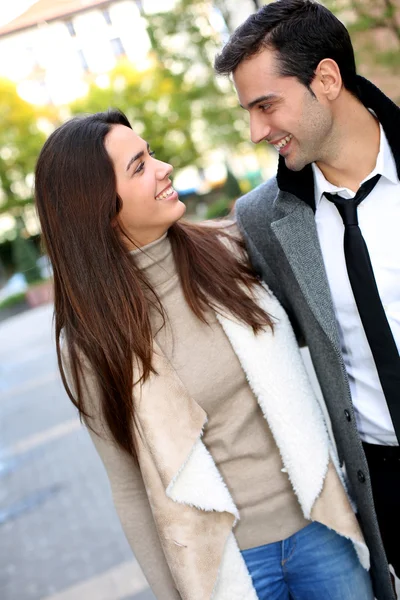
(301, 183)
(192, 507)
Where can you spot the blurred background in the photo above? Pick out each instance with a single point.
(59, 536)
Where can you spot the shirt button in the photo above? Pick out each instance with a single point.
(361, 476)
(347, 415)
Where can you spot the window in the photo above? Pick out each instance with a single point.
(71, 28)
(117, 47)
(107, 17)
(83, 60)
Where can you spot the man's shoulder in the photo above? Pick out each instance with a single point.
(258, 202)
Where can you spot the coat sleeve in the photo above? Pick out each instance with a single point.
(128, 491)
(268, 275)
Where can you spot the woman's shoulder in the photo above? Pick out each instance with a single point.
(227, 227)
(228, 234)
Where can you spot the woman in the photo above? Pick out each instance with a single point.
(187, 374)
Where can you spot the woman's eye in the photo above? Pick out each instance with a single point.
(141, 165)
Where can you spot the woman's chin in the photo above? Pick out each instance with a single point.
(181, 209)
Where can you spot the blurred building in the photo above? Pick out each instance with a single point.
(236, 12)
(51, 47)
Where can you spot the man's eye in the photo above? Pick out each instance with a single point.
(264, 107)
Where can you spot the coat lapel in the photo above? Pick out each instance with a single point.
(276, 374)
(296, 233)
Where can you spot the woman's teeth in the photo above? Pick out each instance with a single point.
(283, 142)
(165, 194)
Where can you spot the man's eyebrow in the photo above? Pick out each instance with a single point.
(260, 99)
(136, 157)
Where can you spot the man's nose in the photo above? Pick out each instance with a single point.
(259, 130)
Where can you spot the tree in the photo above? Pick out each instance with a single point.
(20, 143)
(149, 99)
(374, 26)
(25, 256)
(231, 186)
(177, 105)
(185, 43)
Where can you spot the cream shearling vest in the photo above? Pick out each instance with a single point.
(193, 510)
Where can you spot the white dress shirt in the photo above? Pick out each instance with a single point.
(379, 221)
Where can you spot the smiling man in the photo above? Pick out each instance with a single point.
(323, 234)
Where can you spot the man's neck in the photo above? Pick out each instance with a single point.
(355, 148)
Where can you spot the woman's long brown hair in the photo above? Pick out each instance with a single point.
(101, 297)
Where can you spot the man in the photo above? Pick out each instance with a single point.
(331, 257)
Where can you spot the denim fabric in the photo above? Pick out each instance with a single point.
(313, 564)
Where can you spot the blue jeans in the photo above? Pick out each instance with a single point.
(313, 564)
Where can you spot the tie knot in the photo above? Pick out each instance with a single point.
(348, 207)
(348, 211)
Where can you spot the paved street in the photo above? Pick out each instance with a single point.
(60, 538)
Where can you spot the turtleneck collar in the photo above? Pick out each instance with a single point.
(156, 261)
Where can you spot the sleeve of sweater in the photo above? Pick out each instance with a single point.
(133, 508)
(129, 494)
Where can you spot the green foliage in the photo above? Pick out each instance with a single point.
(219, 208)
(390, 59)
(13, 300)
(25, 257)
(152, 102)
(185, 44)
(177, 105)
(363, 23)
(369, 16)
(231, 186)
(20, 143)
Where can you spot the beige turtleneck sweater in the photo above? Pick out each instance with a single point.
(237, 435)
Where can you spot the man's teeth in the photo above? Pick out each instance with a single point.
(165, 194)
(283, 142)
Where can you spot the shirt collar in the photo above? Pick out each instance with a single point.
(385, 166)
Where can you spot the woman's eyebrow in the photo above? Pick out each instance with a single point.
(136, 157)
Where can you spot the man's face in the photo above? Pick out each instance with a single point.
(283, 112)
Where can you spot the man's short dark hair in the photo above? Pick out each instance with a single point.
(302, 32)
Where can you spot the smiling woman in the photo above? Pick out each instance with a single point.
(187, 386)
(150, 205)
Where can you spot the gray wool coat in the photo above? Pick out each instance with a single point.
(277, 222)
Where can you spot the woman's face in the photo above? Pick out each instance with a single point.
(150, 205)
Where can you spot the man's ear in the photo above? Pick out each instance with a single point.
(328, 79)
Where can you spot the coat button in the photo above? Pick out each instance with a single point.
(361, 476)
(347, 415)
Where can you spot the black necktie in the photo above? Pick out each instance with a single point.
(366, 294)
